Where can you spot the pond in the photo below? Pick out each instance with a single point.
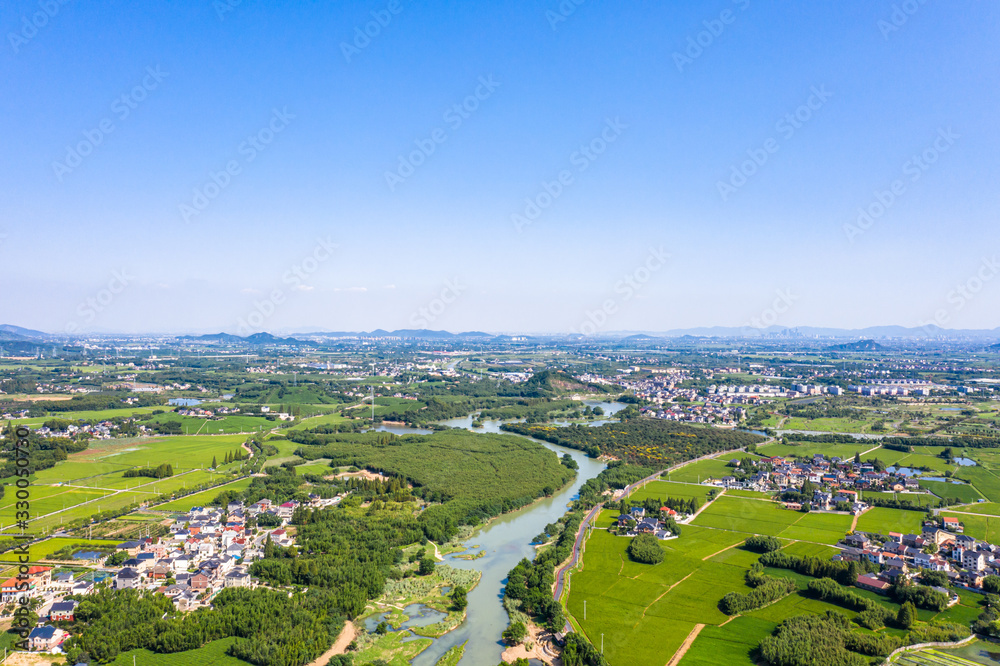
(184, 402)
(87, 555)
(965, 462)
(420, 616)
(902, 471)
(940, 478)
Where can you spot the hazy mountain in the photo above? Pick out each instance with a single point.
(859, 346)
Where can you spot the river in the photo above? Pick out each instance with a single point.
(506, 540)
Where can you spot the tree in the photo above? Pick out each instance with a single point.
(214, 462)
(426, 567)
(515, 633)
(645, 548)
(857, 458)
(907, 615)
(458, 598)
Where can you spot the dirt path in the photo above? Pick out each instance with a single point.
(665, 593)
(864, 453)
(708, 557)
(347, 634)
(682, 650)
(854, 523)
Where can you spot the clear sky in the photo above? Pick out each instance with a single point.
(608, 166)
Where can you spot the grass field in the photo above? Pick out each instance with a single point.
(706, 469)
(883, 521)
(844, 425)
(809, 449)
(93, 480)
(213, 654)
(989, 508)
(44, 550)
(203, 498)
(959, 491)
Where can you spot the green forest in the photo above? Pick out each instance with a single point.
(641, 441)
(467, 478)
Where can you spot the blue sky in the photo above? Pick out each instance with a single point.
(672, 98)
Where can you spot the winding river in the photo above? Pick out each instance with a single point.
(505, 541)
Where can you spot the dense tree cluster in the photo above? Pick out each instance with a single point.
(645, 548)
(845, 573)
(766, 590)
(273, 628)
(467, 478)
(641, 441)
(762, 544)
(161, 471)
(579, 652)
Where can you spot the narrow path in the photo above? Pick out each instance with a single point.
(854, 523)
(682, 650)
(864, 453)
(347, 634)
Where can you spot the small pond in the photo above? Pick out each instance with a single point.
(420, 616)
(184, 402)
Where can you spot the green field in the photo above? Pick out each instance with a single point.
(213, 654)
(960, 491)
(92, 481)
(883, 521)
(988, 508)
(43, 550)
(809, 449)
(203, 498)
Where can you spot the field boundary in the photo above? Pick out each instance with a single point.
(921, 646)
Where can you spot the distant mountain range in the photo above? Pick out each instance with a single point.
(11, 333)
(255, 339)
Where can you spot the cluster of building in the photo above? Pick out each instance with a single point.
(966, 561)
(636, 522)
(102, 430)
(841, 478)
(206, 550)
(721, 415)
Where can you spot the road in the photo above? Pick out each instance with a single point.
(562, 571)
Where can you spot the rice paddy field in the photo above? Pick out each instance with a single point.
(93, 481)
(629, 602)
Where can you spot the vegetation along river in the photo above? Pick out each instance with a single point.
(505, 541)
